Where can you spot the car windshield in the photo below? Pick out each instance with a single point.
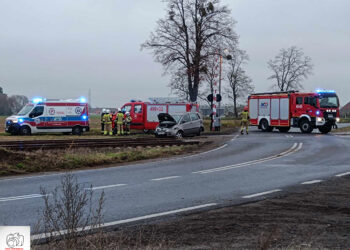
(176, 118)
(25, 110)
(329, 102)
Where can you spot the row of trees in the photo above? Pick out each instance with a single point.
(11, 104)
(192, 36)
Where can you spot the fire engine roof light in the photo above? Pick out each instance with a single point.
(37, 100)
(82, 99)
(320, 91)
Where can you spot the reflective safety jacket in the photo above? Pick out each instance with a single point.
(120, 118)
(128, 119)
(245, 116)
(107, 119)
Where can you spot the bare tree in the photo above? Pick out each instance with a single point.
(69, 211)
(239, 84)
(188, 35)
(289, 68)
(16, 102)
(178, 85)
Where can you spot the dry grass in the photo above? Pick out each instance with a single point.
(94, 133)
(227, 126)
(56, 160)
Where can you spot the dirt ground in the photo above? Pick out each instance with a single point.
(316, 217)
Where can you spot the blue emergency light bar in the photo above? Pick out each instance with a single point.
(320, 91)
(37, 100)
(82, 99)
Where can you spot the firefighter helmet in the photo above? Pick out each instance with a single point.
(245, 108)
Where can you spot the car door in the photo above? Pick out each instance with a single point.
(195, 125)
(37, 114)
(186, 124)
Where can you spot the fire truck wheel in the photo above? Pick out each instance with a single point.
(284, 129)
(25, 130)
(179, 134)
(264, 125)
(325, 129)
(305, 126)
(77, 130)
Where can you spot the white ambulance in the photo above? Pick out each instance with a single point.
(50, 115)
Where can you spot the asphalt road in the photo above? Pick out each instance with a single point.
(245, 168)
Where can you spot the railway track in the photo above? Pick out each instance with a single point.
(93, 143)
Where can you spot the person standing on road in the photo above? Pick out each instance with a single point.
(128, 121)
(245, 120)
(107, 119)
(120, 122)
(102, 121)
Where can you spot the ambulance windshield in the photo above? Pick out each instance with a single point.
(26, 109)
(327, 101)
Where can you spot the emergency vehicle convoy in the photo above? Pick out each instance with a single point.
(50, 115)
(283, 110)
(145, 114)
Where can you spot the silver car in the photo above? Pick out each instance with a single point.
(179, 125)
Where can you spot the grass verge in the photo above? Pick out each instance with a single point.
(14, 162)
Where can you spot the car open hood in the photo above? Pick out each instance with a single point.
(164, 117)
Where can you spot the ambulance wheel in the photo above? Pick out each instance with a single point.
(179, 134)
(325, 129)
(77, 130)
(264, 125)
(284, 129)
(305, 126)
(25, 130)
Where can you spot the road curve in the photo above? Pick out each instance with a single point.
(247, 167)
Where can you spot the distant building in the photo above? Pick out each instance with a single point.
(345, 111)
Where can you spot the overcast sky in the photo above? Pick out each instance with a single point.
(63, 48)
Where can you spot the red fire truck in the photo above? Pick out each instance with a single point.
(283, 110)
(145, 114)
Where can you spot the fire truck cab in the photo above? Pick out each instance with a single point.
(145, 114)
(283, 110)
(50, 115)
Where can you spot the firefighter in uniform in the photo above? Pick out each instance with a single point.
(107, 119)
(245, 120)
(120, 122)
(102, 122)
(128, 121)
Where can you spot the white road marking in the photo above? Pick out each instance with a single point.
(119, 222)
(165, 178)
(342, 174)
(234, 138)
(295, 148)
(311, 182)
(108, 186)
(22, 197)
(29, 177)
(262, 193)
(289, 136)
